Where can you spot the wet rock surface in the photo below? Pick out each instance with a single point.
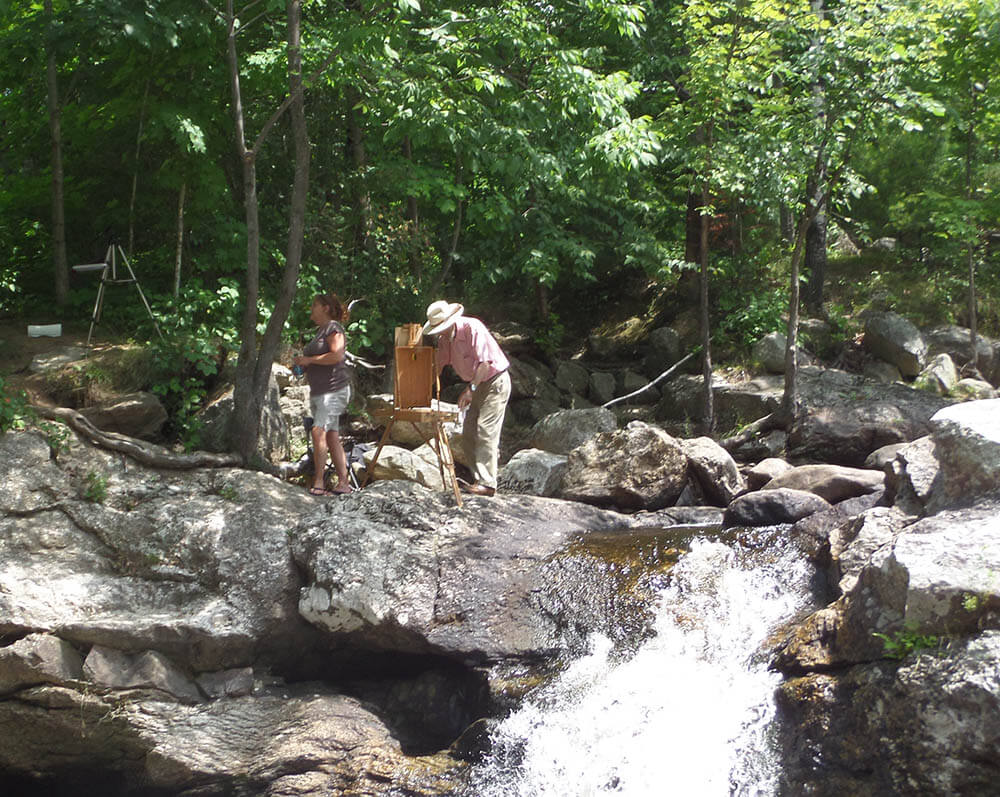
(893, 687)
(223, 632)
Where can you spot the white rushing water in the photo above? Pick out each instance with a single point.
(687, 714)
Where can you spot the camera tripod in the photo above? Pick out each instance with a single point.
(109, 276)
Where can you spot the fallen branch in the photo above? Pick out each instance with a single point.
(660, 378)
(146, 453)
(771, 421)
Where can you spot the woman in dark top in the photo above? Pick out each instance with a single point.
(329, 389)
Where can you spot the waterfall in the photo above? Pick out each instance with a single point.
(688, 713)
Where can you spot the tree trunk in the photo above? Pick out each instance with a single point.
(786, 223)
(449, 256)
(692, 229)
(815, 245)
(180, 240)
(815, 253)
(359, 163)
(542, 301)
(708, 403)
(253, 369)
(59, 258)
(413, 219)
(970, 149)
(790, 398)
(135, 172)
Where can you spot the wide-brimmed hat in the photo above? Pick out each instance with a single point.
(441, 315)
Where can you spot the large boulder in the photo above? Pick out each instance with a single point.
(401, 570)
(533, 472)
(532, 379)
(38, 659)
(394, 462)
(135, 414)
(304, 740)
(925, 725)
(972, 390)
(661, 350)
(853, 544)
(215, 417)
(769, 352)
(528, 412)
(601, 387)
(115, 669)
(894, 339)
(938, 376)
(845, 417)
(906, 586)
(735, 403)
(561, 432)
(765, 470)
(638, 467)
(967, 446)
(192, 596)
(629, 382)
(956, 342)
(817, 535)
(571, 377)
(832, 482)
(413, 435)
(912, 474)
(514, 338)
(718, 476)
(771, 507)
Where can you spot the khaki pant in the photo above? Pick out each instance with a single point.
(481, 432)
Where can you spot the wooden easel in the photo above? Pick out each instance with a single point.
(415, 388)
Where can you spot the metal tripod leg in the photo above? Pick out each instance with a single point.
(96, 316)
(142, 296)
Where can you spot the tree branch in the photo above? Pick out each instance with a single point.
(287, 102)
(660, 378)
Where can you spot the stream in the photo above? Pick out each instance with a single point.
(689, 712)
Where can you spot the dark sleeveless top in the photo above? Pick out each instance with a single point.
(325, 378)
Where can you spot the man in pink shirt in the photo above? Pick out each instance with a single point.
(467, 346)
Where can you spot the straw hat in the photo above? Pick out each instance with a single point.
(441, 315)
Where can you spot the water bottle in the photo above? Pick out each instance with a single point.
(298, 370)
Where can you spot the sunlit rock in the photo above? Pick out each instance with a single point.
(893, 338)
(831, 482)
(638, 467)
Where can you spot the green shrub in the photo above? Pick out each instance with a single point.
(902, 643)
(96, 487)
(15, 411)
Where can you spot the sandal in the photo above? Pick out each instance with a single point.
(318, 491)
(341, 490)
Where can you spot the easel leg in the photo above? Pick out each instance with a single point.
(370, 469)
(446, 460)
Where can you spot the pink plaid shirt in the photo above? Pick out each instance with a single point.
(469, 345)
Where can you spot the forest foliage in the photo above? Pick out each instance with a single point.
(524, 158)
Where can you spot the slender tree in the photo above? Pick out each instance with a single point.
(60, 263)
(253, 368)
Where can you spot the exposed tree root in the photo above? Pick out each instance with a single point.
(146, 453)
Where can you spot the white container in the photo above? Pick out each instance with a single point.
(44, 330)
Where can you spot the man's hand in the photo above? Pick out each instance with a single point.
(465, 399)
